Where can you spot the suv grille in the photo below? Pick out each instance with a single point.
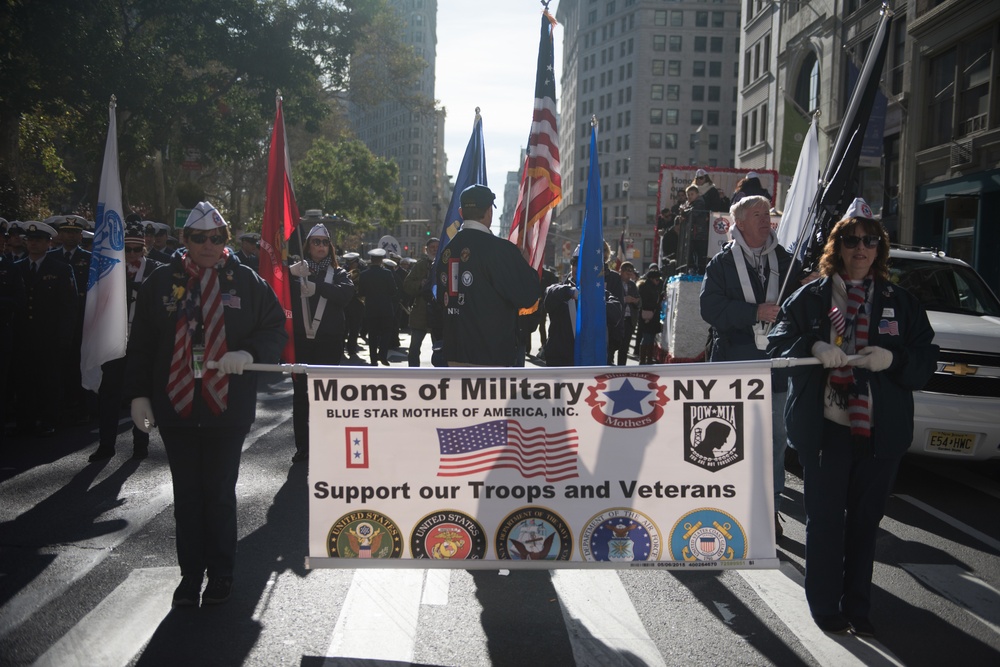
(966, 385)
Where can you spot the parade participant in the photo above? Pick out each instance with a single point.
(692, 229)
(485, 281)
(157, 234)
(138, 268)
(707, 191)
(355, 311)
(12, 301)
(631, 309)
(15, 249)
(247, 253)
(425, 318)
(320, 291)
(614, 287)
(739, 300)
(70, 230)
(203, 308)
(378, 288)
(750, 186)
(650, 300)
(43, 334)
(850, 421)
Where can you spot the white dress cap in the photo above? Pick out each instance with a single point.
(205, 217)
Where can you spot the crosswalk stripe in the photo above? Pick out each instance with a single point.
(436, 584)
(378, 620)
(782, 591)
(953, 522)
(595, 605)
(119, 626)
(972, 594)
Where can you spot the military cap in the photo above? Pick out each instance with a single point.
(204, 217)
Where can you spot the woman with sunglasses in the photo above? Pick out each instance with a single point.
(320, 292)
(199, 321)
(850, 421)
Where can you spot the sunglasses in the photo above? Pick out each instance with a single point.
(319, 241)
(133, 249)
(216, 239)
(851, 242)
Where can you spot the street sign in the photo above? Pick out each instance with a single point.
(180, 217)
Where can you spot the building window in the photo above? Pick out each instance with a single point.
(697, 116)
(659, 67)
(656, 116)
(670, 140)
(807, 84)
(716, 45)
(713, 93)
(660, 17)
(676, 43)
(718, 19)
(672, 116)
(715, 69)
(674, 68)
(655, 140)
(656, 91)
(698, 93)
(673, 92)
(653, 166)
(698, 68)
(701, 19)
(713, 142)
(700, 44)
(676, 18)
(712, 117)
(659, 42)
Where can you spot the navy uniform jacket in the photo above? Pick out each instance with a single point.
(50, 312)
(378, 288)
(560, 346)
(253, 261)
(81, 270)
(484, 280)
(898, 323)
(161, 256)
(12, 296)
(255, 322)
(338, 294)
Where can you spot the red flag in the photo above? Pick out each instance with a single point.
(281, 215)
(541, 184)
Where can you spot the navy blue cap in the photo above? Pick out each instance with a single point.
(477, 196)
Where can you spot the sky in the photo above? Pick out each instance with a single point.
(487, 54)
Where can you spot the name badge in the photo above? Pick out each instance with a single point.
(888, 312)
(198, 360)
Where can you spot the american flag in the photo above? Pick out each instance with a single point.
(888, 327)
(504, 443)
(541, 184)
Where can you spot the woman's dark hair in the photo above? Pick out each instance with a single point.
(831, 263)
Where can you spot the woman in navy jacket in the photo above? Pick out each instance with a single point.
(851, 419)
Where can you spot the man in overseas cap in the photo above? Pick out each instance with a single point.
(378, 288)
(43, 334)
(483, 280)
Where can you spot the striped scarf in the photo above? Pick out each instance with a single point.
(201, 304)
(850, 384)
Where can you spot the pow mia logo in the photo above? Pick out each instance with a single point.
(713, 434)
(364, 534)
(707, 534)
(533, 533)
(620, 535)
(448, 535)
(467, 278)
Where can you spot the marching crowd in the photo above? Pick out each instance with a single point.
(199, 313)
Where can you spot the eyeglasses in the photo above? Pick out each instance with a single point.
(319, 241)
(851, 242)
(216, 239)
(134, 249)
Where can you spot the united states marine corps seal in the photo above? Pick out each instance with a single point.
(707, 535)
(533, 533)
(364, 534)
(620, 534)
(448, 535)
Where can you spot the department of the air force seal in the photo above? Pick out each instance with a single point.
(364, 534)
(713, 434)
(627, 400)
(620, 534)
(707, 534)
(533, 533)
(448, 534)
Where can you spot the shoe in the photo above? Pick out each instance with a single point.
(218, 590)
(101, 454)
(384, 361)
(300, 456)
(862, 627)
(139, 452)
(186, 594)
(835, 624)
(778, 530)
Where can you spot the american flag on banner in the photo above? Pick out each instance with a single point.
(504, 443)
(541, 184)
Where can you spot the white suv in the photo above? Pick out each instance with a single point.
(957, 415)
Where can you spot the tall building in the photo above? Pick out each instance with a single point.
(414, 138)
(932, 169)
(661, 79)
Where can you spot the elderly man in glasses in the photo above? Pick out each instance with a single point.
(199, 321)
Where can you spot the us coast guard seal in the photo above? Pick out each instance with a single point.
(707, 535)
(364, 534)
(448, 535)
(533, 533)
(620, 534)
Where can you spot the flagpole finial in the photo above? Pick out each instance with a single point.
(887, 10)
(545, 4)
(816, 114)
(593, 120)
(114, 101)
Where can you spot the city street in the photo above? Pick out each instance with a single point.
(87, 569)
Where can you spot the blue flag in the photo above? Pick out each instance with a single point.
(591, 345)
(473, 171)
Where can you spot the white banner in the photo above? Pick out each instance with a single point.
(654, 466)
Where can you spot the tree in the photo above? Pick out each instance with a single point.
(347, 180)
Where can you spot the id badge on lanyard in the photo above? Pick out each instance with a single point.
(198, 360)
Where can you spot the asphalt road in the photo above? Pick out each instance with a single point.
(87, 567)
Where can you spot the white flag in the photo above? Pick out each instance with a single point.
(105, 319)
(801, 195)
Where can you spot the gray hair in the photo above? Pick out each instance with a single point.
(743, 206)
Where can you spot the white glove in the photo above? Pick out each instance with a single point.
(830, 355)
(234, 362)
(142, 414)
(300, 269)
(307, 288)
(874, 359)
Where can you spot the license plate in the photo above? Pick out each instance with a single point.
(951, 442)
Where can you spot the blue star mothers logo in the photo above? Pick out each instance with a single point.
(108, 237)
(627, 400)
